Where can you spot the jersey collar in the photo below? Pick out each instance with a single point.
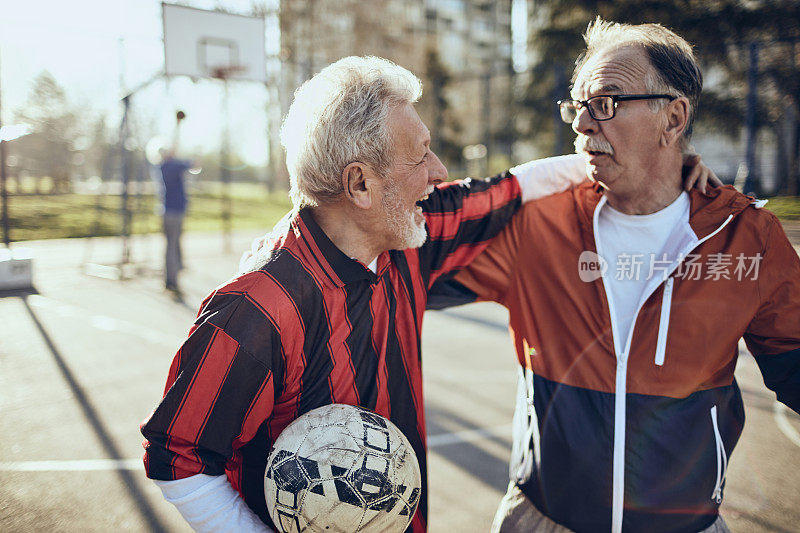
(330, 264)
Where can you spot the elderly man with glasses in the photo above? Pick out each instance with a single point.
(627, 300)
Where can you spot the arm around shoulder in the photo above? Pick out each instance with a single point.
(543, 177)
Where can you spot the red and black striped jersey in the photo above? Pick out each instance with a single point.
(313, 327)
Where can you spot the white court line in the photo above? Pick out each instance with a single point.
(779, 411)
(88, 465)
(467, 435)
(103, 322)
(72, 466)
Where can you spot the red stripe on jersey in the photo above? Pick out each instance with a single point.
(443, 226)
(316, 257)
(233, 471)
(379, 309)
(418, 524)
(342, 379)
(448, 184)
(181, 465)
(199, 400)
(315, 277)
(275, 324)
(176, 445)
(292, 240)
(460, 257)
(177, 361)
(174, 370)
(282, 310)
(404, 328)
(420, 291)
(262, 403)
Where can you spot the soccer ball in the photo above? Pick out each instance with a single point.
(342, 468)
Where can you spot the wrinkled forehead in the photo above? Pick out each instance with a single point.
(407, 129)
(616, 71)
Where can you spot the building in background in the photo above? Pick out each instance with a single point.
(461, 49)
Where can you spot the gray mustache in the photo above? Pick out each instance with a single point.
(592, 144)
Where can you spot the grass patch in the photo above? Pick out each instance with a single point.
(785, 207)
(84, 215)
(34, 217)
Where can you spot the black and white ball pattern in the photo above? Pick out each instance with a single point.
(342, 468)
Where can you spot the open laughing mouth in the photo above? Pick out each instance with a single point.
(418, 208)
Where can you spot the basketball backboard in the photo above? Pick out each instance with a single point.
(211, 44)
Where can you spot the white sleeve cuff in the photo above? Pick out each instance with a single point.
(543, 177)
(210, 505)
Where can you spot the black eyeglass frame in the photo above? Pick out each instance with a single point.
(615, 98)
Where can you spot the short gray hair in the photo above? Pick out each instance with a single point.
(675, 68)
(340, 116)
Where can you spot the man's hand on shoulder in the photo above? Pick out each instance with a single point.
(696, 174)
(253, 258)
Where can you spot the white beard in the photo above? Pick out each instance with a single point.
(402, 221)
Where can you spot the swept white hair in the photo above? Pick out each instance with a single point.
(340, 116)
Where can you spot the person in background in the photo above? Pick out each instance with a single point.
(175, 201)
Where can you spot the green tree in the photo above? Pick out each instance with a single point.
(444, 124)
(100, 152)
(48, 150)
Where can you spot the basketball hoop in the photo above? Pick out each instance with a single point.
(211, 44)
(226, 72)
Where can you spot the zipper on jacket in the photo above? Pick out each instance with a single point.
(618, 467)
(620, 396)
(663, 324)
(722, 459)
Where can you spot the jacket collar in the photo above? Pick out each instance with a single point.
(587, 197)
(707, 210)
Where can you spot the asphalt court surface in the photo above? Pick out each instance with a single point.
(84, 359)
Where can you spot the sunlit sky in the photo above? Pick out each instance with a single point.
(95, 48)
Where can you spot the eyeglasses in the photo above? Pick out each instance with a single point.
(602, 107)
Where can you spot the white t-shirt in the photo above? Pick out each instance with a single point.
(633, 247)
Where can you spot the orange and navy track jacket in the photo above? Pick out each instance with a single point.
(634, 433)
(313, 327)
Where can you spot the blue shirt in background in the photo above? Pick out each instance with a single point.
(175, 199)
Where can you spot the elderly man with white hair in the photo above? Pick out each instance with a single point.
(330, 309)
